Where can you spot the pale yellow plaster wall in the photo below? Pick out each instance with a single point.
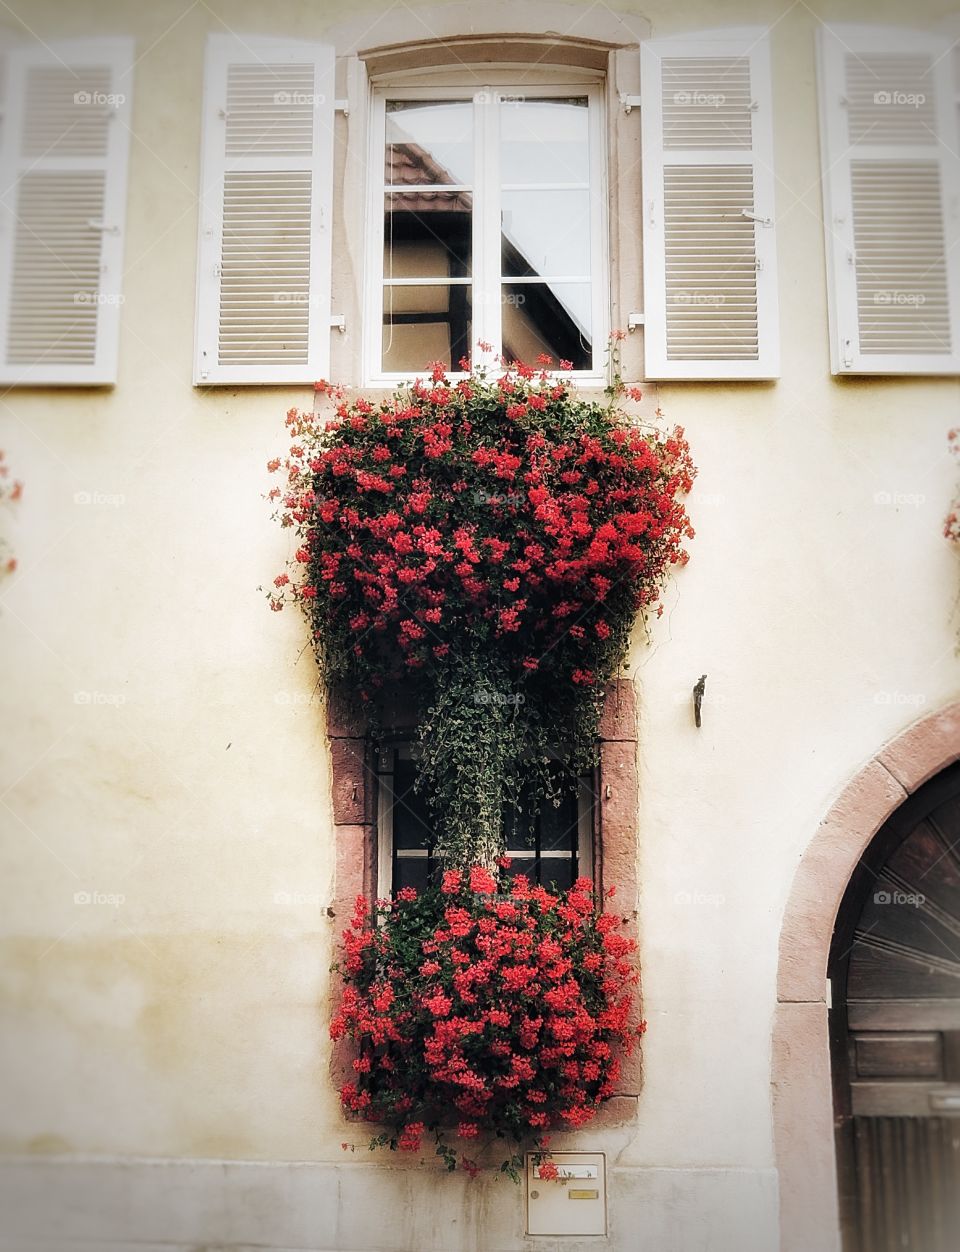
(190, 1018)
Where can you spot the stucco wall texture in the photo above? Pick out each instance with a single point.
(168, 855)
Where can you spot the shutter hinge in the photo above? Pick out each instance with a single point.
(218, 270)
(751, 217)
(96, 224)
(847, 354)
(629, 102)
(342, 106)
(338, 320)
(634, 320)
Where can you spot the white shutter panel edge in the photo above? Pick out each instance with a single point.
(41, 276)
(753, 159)
(840, 114)
(247, 323)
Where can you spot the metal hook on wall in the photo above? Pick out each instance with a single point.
(698, 690)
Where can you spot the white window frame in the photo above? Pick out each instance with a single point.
(485, 83)
(386, 802)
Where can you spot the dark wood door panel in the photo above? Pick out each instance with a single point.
(908, 1183)
(895, 1031)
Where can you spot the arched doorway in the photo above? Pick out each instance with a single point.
(894, 1024)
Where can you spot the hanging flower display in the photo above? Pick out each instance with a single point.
(486, 543)
(484, 1009)
(489, 541)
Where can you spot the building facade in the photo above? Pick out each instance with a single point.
(205, 211)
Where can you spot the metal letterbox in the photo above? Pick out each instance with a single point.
(575, 1203)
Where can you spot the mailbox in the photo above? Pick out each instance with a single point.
(574, 1203)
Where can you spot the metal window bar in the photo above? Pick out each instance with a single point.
(404, 849)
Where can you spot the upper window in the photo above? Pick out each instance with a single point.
(487, 228)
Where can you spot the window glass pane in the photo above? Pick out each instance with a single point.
(555, 318)
(411, 820)
(523, 865)
(424, 323)
(411, 872)
(520, 831)
(557, 875)
(544, 141)
(427, 234)
(428, 142)
(545, 234)
(558, 826)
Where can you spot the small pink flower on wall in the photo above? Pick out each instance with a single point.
(11, 489)
(951, 526)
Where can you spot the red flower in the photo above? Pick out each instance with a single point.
(482, 881)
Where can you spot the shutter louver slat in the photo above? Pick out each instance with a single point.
(710, 270)
(706, 103)
(265, 284)
(901, 272)
(270, 110)
(889, 99)
(709, 254)
(264, 281)
(67, 112)
(56, 269)
(64, 158)
(889, 170)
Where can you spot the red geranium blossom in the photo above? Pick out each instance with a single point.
(515, 1023)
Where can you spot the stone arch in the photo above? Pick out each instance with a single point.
(448, 31)
(800, 1075)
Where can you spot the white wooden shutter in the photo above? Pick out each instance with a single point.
(263, 284)
(891, 195)
(709, 248)
(63, 190)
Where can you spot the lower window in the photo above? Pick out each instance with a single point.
(554, 849)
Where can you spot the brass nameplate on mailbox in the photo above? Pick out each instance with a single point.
(575, 1194)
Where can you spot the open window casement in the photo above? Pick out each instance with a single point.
(263, 283)
(709, 259)
(64, 145)
(891, 193)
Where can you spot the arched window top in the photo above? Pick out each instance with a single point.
(527, 32)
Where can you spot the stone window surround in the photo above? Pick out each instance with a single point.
(615, 834)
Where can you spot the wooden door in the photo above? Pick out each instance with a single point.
(895, 1031)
